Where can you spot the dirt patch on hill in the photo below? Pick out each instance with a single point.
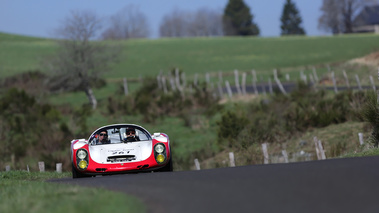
(368, 60)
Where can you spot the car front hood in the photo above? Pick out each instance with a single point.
(127, 152)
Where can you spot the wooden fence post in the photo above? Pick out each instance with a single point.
(59, 167)
(231, 159)
(323, 156)
(244, 83)
(265, 153)
(346, 79)
(358, 82)
(285, 155)
(41, 166)
(197, 164)
(303, 77)
(207, 79)
(126, 91)
(92, 97)
(360, 136)
(164, 85)
(278, 82)
(27, 168)
(7, 168)
(236, 79)
(230, 93)
(177, 80)
(317, 148)
(334, 83)
(288, 77)
(172, 83)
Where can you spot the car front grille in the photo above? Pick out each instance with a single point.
(121, 158)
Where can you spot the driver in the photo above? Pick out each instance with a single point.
(131, 135)
(103, 138)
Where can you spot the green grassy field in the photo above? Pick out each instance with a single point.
(19, 54)
(199, 55)
(227, 54)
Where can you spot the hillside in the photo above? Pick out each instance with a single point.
(193, 121)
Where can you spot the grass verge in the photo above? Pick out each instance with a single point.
(27, 192)
(366, 153)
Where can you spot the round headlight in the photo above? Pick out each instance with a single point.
(82, 164)
(82, 154)
(160, 158)
(159, 148)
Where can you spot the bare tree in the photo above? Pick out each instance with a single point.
(337, 15)
(129, 22)
(203, 22)
(330, 20)
(174, 24)
(80, 61)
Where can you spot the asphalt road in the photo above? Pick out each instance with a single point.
(337, 185)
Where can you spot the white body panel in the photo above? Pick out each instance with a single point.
(159, 137)
(141, 150)
(80, 143)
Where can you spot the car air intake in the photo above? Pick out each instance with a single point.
(101, 169)
(143, 166)
(121, 158)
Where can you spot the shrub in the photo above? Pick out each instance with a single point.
(370, 113)
(25, 123)
(230, 126)
(282, 117)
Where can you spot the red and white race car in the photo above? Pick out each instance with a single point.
(120, 148)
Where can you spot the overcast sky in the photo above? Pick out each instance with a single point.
(41, 17)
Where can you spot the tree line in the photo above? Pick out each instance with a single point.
(338, 15)
(236, 19)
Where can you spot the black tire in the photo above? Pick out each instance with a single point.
(76, 174)
(168, 167)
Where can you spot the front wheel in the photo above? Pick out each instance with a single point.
(168, 167)
(76, 174)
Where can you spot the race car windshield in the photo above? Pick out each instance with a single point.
(117, 135)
